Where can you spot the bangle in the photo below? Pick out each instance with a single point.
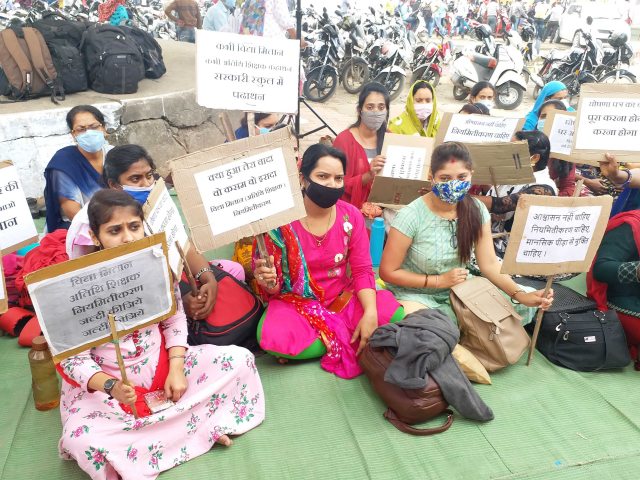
(176, 356)
(426, 281)
(513, 295)
(628, 180)
(437, 280)
(202, 271)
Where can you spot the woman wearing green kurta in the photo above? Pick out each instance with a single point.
(420, 116)
(432, 239)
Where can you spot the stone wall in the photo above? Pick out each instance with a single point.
(167, 126)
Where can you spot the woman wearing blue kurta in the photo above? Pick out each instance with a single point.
(552, 91)
(74, 173)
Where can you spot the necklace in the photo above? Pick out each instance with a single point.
(319, 239)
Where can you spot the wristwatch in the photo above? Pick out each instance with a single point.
(108, 386)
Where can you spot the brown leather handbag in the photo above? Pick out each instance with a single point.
(405, 406)
(490, 328)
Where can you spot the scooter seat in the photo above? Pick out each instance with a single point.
(484, 60)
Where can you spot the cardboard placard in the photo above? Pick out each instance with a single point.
(555, 235)
(459, 127)
(162, 215)
(559, 127)
(501, 163)
(72, 299)
(17, 229)
(407, 156)
(395, 192)
(239, 189)
(246, 72)
(608, 120)
(4, 299)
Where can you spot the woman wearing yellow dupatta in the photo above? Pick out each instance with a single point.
(420, 116)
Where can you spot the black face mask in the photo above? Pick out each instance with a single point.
(323, 196)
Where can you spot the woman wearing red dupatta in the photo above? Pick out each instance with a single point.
(316, 309)
(614, 279)
(362, 143)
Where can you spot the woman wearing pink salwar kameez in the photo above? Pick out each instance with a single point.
(322, 298)
(223, 395)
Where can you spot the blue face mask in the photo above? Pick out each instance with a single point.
(264, 130)
(140, 194)
(540, 126)
(452, 191)
(91, 141)
(230, 3)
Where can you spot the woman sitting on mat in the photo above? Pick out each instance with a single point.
(130, 168)
(217, 390)
(315, 309)
(75, 172)
(432, 239)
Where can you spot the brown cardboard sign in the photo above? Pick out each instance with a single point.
(559, 127)
(608, 120)
(395, 192)
(17, 229)
(554, 235)
(4, 299)
(407, 156)
(73, 299)
(239, 189)
(162, 215)
(501, 163)
(459, 127)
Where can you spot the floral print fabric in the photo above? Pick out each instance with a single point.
(224, 396)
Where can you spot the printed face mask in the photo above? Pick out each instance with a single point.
(140, 194)
(323, 196)
(452, 191)
(91, 141)
(540, 126)
(373, 120)
(423, 110)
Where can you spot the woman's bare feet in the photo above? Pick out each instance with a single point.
(225, 441)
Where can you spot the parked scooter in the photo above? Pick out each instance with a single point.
(503, 69)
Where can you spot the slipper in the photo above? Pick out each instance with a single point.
(30, 331)
(14, 320)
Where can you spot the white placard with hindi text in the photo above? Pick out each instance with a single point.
(608, 124)
(73, 306)
(560, 132)
(16, 224)
(165, 217)
(558, 234)
(245, 72)
(477, 128)
(244, 191)
(404, 162)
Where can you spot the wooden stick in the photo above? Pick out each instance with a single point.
(251, 123)
(116, 341)
(547, 287)
(187, 270)
(264, 253)
(493, 179)
(226, 126)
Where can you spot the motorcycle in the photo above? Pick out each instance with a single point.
(387, 59)
(615, 61)
(322, 75)
(428, 60)
(503, 69)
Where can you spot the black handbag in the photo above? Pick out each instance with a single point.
(585, 341)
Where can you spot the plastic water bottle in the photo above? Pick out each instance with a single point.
(46, 390)
(377, 241)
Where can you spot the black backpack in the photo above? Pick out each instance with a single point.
(114, 62)
(150, 49)
(63, 38)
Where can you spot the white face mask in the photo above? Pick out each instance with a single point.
(566, 102)
(423, 110)
(487, 103)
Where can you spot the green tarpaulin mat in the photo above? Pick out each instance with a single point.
(550, 423)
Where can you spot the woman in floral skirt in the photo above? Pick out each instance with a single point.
(216, 390)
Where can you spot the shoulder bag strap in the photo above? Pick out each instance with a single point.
(403, 427)
(40, 64)
(18, 55)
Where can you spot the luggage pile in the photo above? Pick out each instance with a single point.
(54, 56)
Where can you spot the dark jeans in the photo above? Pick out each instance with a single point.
(492, 20)
(540, 28)
(186, 34)
(551, 30)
